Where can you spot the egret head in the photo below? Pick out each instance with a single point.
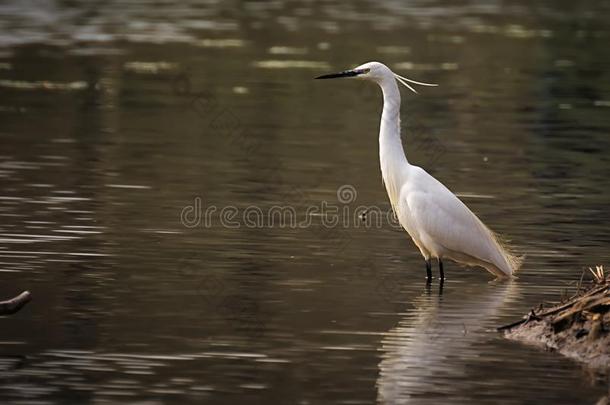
(376, 72)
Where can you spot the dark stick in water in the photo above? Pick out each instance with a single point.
(13, 305)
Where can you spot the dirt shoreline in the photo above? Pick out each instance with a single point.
(578, 327)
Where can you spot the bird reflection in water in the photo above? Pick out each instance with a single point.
(436, 338)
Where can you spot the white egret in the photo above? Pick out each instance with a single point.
(439, 223)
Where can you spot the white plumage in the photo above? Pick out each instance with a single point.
(439, 223)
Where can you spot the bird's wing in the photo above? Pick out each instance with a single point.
(448, 222)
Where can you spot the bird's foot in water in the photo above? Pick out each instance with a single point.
(428, 272)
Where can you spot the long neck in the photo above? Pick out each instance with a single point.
(392, 159)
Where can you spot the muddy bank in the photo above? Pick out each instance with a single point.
(578, 327)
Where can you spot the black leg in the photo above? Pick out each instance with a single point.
(440, 269)
(428, 271)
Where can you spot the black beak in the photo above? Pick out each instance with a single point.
(345, 73)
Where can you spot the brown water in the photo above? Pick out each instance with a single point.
(120, 123)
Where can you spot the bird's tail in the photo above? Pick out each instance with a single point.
(508, 261)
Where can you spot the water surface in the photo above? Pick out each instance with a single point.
(117, 117)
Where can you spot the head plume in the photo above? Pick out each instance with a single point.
(405, 82)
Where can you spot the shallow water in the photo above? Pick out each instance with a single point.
(122, 125)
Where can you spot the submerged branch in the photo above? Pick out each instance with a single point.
(13, 305)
